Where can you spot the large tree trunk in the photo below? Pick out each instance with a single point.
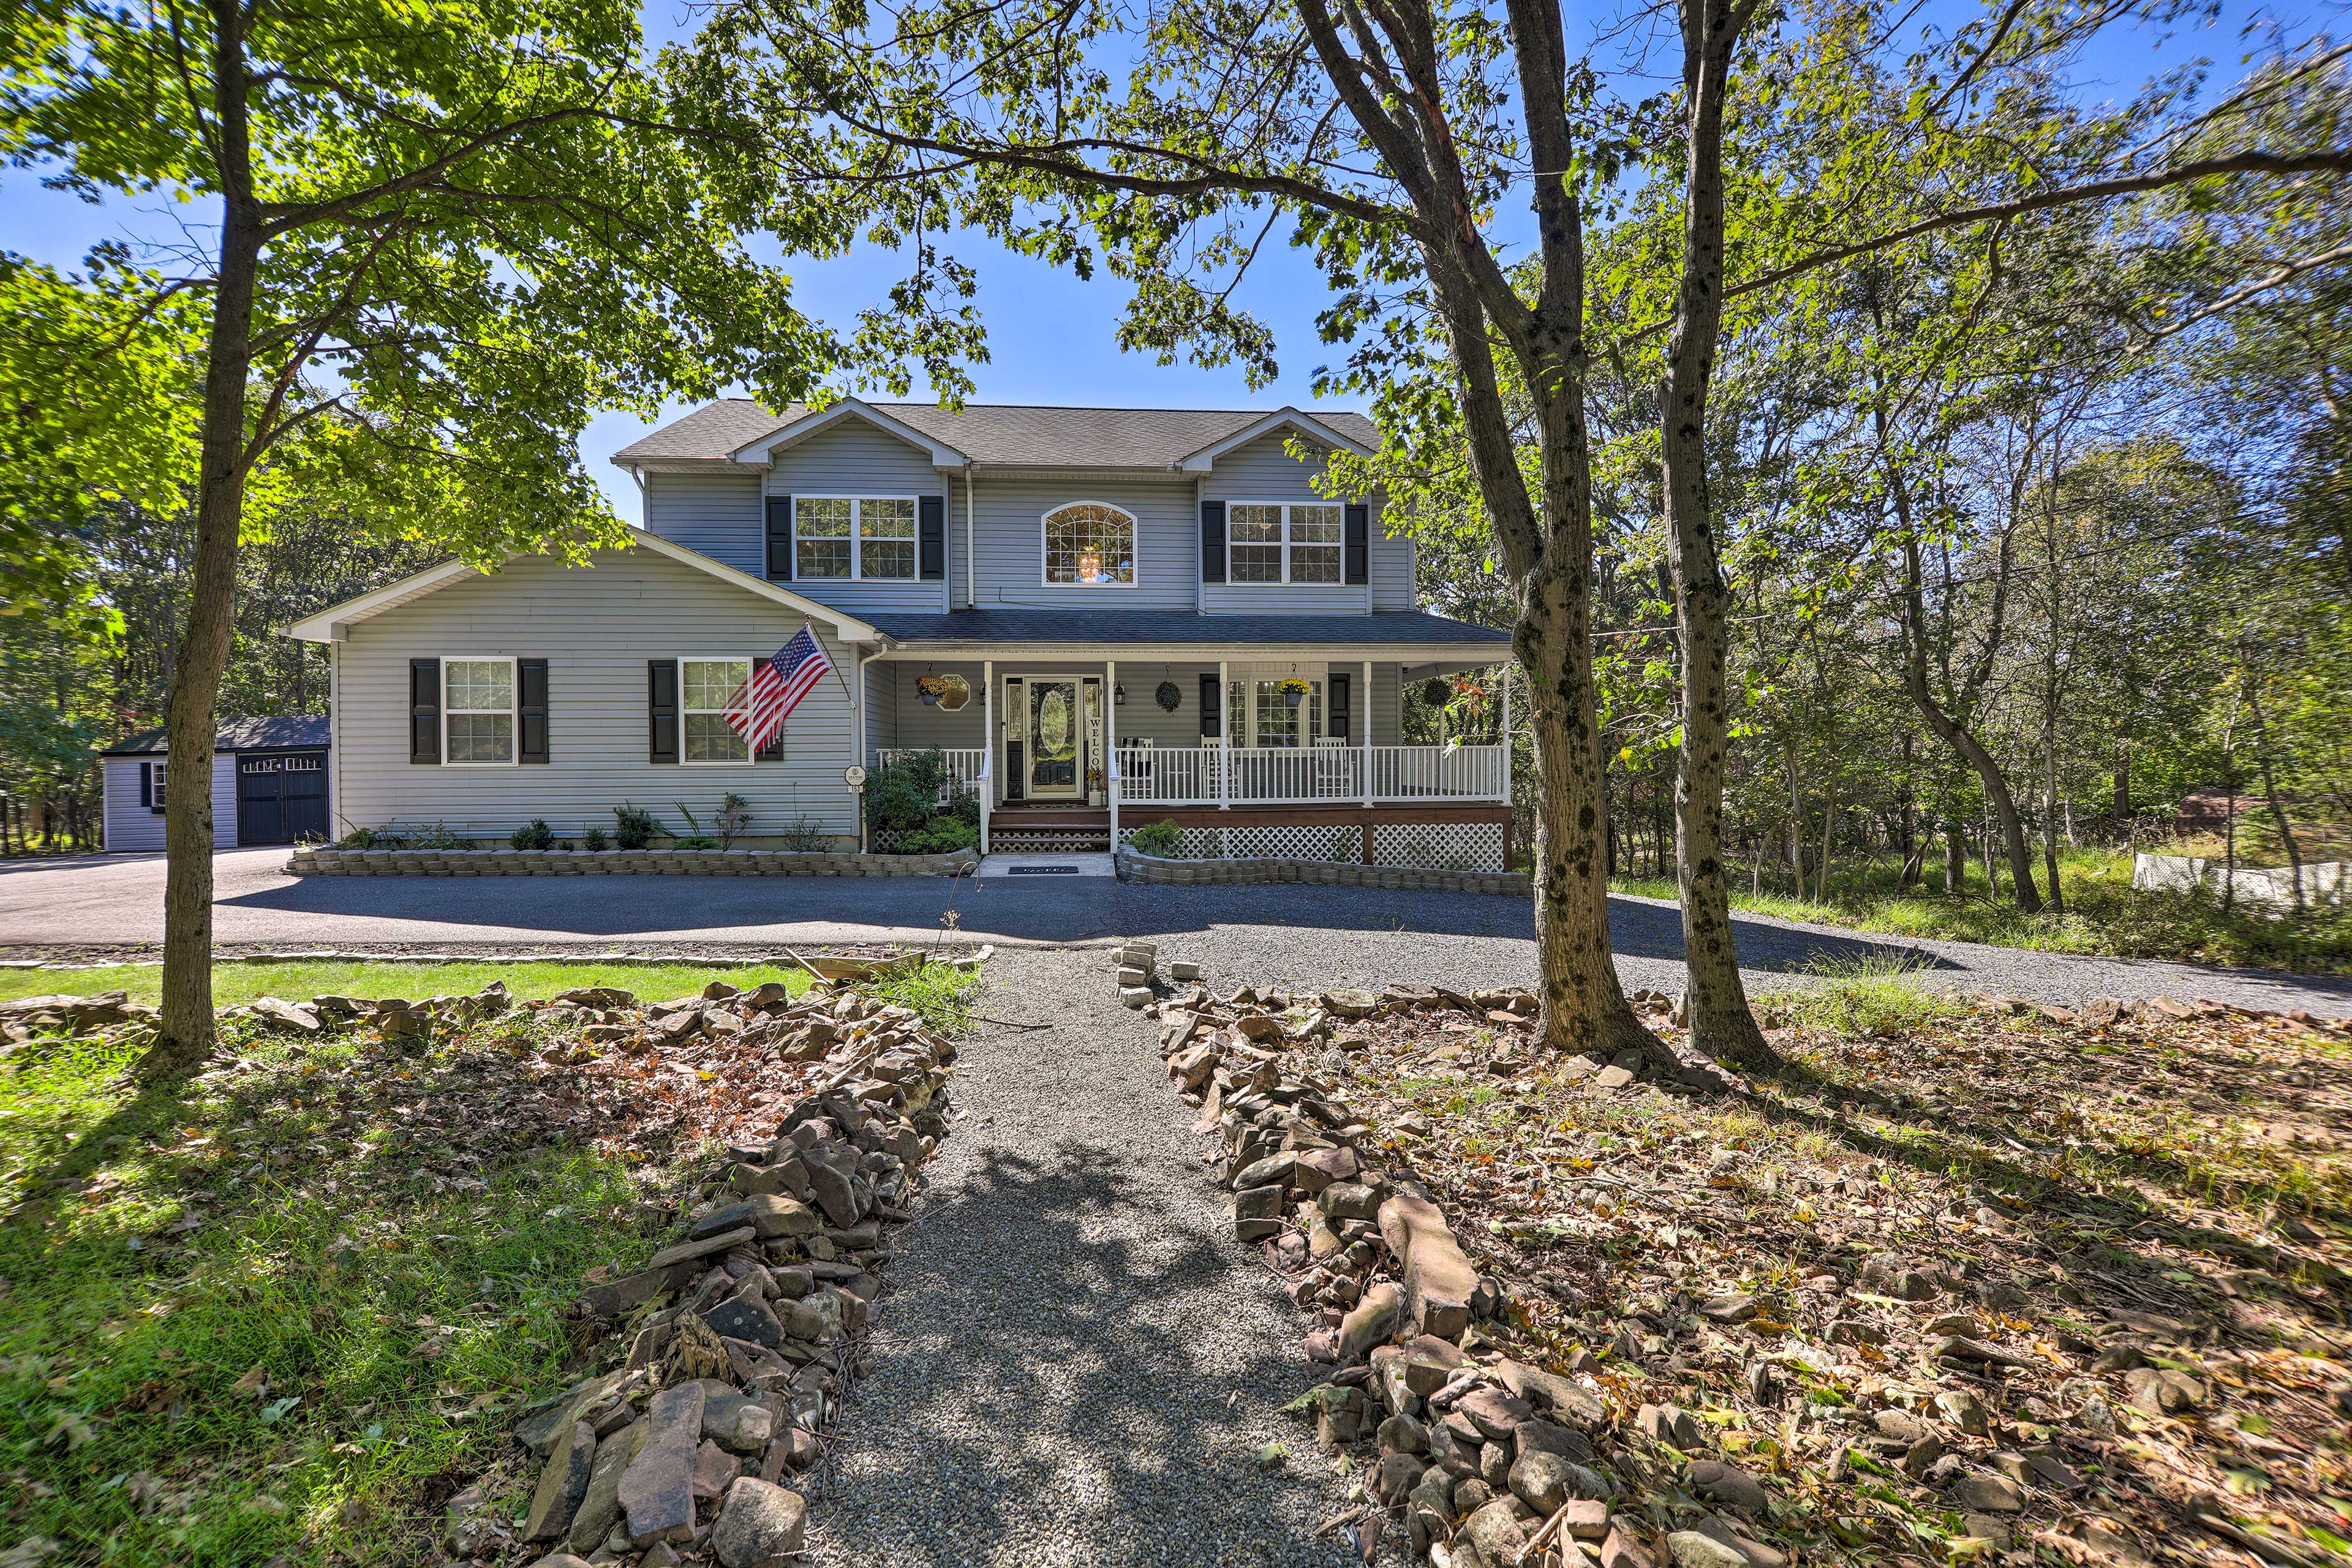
(186, 1037)
(1585, 1010)
(1721, 1023)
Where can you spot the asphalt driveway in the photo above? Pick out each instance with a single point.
(1322, 936)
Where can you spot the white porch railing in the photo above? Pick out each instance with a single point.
(1260, 775)
(962, 762)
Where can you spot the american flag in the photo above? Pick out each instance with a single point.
(762, 703)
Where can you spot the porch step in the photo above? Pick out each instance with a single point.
(1025, 837)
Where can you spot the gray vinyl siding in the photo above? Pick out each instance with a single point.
(716, 513)
(853, 459)
(133, 829)
(1263, 471)
(1010, 539)
(1391, 574)
(597, 628)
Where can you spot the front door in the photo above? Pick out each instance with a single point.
(1053, 730)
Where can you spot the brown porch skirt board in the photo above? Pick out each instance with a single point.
(1319, 816)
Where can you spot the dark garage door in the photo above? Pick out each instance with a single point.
(282, 797)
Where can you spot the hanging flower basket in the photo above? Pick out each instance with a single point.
(1434, 691)
(1293, 691)
(1170, 697)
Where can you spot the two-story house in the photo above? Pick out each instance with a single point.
(1102, 617)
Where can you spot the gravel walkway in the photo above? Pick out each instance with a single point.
(1074, 1363)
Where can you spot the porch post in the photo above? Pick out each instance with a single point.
(1367, 705)
(987, 746)
(1224, 738)
(1506, 796)
(1110, 745)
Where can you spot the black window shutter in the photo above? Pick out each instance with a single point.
(1212, 702)
(147, 783)
(532, 715)
(424, 711)
(1337, 724)
(933, 530)
(780, 538)
(773, 751)
(661, 707)
(1358, 551)
(1212, 542)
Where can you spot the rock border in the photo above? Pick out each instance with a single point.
(1487, 1462)
(736, 1343)
(621, 862)
(1133, 866)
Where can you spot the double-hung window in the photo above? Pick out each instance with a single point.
(1263, 714)
(708, 690)
(1270, 542)
(854, 537)
(477, 711)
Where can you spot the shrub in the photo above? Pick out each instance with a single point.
(1159, 839)
(594, 838)
(368, 839)
(533, 835)
(897, 800)
(939, 836)
(694, 841)
(803, 836)
(734, 816)
(635, 827)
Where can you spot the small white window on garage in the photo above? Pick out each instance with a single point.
(477, 711)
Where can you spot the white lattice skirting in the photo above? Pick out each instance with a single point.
(1437, 845)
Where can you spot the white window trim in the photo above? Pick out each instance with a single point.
(1317, 706)
(1339, 544)
(750, 756)
(155, 784)
(857, 536)
(1134, 545)
(514, 708)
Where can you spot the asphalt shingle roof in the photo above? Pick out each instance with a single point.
(272, 733)
(1096, 627)
(1016, 435)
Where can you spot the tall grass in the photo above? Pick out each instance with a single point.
(2105, 915)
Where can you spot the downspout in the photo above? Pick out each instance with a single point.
(864, 741)
(970, 562)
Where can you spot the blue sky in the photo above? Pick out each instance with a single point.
(1052, 336)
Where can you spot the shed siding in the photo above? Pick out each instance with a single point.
(132, 828)
(596, 626)
(852, 457)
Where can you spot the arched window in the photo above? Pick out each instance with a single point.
(1089, 545)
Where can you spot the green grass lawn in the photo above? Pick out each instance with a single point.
(234, 982)
(282, 1309)
(2104, 915)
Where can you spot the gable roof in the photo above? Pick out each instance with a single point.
(266, 733)
(328, 624)
(1005, 435)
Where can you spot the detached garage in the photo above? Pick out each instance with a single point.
(268, 777)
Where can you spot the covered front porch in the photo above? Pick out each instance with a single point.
(1247, 755)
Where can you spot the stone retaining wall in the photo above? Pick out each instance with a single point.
(617, 862)
(1135, 867)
